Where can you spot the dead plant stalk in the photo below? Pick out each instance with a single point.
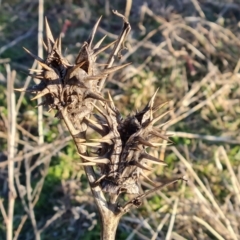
(74, 90)
(11, 149)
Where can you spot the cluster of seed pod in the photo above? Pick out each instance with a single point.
(122, 149)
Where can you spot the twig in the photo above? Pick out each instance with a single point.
(130, 237)
(17, 232)
(25, 87)
(34, 196)
(203, 137)
(37, 191)
(140, 43)
(49, 155)
(21, 193)
(137, 201)
(170, 227)
(205, 224)
(195, 89)
(107, 7)
(30, 199)
(5, 60)
(198, 8)
(57, 215)
(128, 8)
(27, 133)
(11, 149)
(38, 150)
(40, 54)
(160, 226)
(176, 236)
(234, 179)
(3, 211)
(118, 45)
(17, 40)
(19, 141)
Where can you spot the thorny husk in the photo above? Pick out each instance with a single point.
(74, 90)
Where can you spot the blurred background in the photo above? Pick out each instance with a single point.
(188, 49)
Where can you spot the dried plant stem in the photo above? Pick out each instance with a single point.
(3, 211)
(171, 224)
(29, 198)
(209, 138)
(198, 8)
(234, 178)
(118, 46)
(208, 227)
(109, 223)
(74, 90)
(17, 40)
(11, 149)
(40, 54)
(109, 220)
(17, 232)
(128, 8)
(108, 216)
(28, 79)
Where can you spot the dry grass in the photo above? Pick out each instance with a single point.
(191, 52)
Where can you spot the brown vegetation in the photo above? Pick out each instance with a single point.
(190, 51)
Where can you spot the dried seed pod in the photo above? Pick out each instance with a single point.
(70, 86)
(126, 141)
